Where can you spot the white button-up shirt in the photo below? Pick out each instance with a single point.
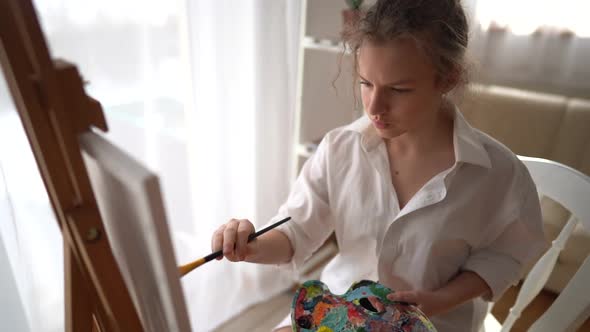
(481, 215)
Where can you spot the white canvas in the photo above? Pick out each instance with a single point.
(132, 210)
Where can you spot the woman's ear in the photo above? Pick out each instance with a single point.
(449, 81)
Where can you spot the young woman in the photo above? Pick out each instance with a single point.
(418, 199)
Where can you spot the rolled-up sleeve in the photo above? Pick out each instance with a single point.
(502, 261)
(308, 206)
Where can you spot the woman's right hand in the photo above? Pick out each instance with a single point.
(232, 238)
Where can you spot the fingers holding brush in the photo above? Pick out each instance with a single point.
(245, 228)
(232, 238)
(229, 240)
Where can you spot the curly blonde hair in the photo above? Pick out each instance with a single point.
(439, 27)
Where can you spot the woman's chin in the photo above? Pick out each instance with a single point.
(389, 132)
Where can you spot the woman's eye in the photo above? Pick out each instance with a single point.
(400, 90)
(364, 83)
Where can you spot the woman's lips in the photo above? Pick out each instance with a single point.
(380, 124)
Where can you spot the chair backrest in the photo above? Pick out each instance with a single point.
(571, 189)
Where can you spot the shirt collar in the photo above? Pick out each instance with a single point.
(466, 142)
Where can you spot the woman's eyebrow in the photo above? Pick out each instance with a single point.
(398, 82)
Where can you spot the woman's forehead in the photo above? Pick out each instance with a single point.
(398, 57)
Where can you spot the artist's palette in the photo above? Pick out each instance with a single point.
(364, 307)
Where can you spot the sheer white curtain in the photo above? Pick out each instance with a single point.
(538, 45)
(240, 138)
(200, 91)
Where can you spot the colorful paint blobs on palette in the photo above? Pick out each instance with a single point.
(363, 308)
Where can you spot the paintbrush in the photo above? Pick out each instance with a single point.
(184, 269)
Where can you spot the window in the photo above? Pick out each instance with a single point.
(524, 17)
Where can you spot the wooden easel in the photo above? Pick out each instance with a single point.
(55, 110)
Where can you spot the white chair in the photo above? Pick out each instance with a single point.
(571, 189)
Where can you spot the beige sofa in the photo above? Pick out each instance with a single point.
(539, 125)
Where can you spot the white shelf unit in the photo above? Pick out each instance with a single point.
(325, 97)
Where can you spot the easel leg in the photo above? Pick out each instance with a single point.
(78, 311)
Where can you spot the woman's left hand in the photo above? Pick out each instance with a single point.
(431, 303)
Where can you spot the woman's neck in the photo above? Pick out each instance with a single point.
(433, 136)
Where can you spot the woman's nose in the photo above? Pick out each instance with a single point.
(377, 105)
